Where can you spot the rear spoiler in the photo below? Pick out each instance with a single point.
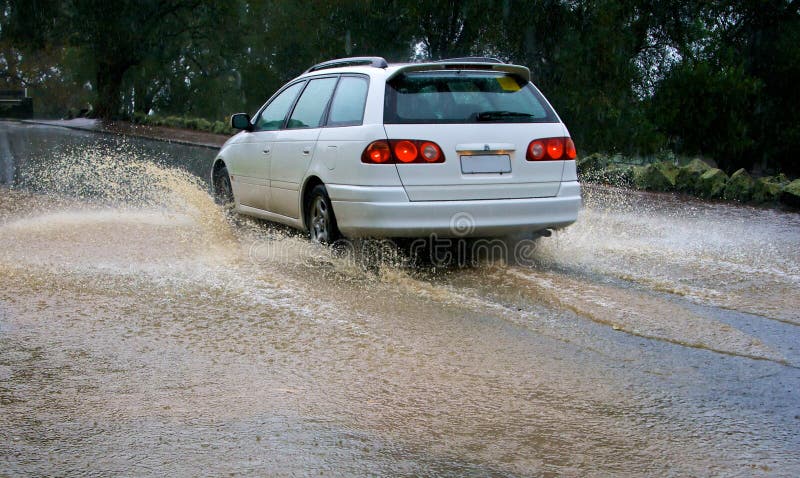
(518, 70)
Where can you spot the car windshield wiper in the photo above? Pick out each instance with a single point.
(494, 115)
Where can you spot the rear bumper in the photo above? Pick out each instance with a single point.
(387, 212)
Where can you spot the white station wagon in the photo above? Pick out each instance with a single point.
(357, 147)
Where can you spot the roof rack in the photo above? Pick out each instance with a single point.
(470, 59)
(374, 61)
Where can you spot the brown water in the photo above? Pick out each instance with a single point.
(143, 332)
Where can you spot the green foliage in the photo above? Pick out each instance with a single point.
(582, 56)
(717, 79)
(708, 110)
(116, 38)
(592, 164)
(730, 99)
(199, 124)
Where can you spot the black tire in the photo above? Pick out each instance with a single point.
(320, 219)
(223, 190)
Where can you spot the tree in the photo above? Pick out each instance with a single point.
(446, 29)
(634, 76)
(707, 110)
(730, 97)
(115, 35)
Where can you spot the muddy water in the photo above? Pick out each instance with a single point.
(143, 332)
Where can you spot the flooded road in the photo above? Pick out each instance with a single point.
(145, 333)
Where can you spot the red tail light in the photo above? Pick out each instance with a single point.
(571, 152)
(551, 149)
(555, 148)
(405, 151)
(377, 152)
(402, 151)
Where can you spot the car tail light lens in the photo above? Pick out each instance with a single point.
(555, 148)
(402, 151)
(536, 150)
(570, 149)
(430, 152)
(377, 152)
(405, 151)
(551, 149)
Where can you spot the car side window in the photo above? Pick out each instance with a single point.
(347, 108)
(310, 108)
(272, 116)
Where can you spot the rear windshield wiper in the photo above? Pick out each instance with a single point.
(494, 115)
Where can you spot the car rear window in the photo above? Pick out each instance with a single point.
(464, 97)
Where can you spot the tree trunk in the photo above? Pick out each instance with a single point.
(109, 85)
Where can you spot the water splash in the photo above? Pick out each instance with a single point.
(743, 259)
(120, 179)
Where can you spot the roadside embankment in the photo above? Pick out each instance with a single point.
(694, 177)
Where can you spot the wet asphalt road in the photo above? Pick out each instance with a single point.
(145, 333)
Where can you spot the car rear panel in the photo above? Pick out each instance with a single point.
(475, 166)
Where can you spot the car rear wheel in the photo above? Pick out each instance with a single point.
(320, 219)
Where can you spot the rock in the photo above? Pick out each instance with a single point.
(791, 194)
(688, 176)
(639, 178)
(768, 189)
(700, 164)
(712, 183)
(590, 166)
(617, 175)
(739, 187)
(657, 177)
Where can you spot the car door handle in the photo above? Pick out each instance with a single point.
(306, 150)
(267, 150)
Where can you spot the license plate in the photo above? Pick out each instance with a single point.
(486, 164)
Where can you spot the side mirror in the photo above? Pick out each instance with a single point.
(241, 121)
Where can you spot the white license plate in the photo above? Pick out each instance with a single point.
(486, 163)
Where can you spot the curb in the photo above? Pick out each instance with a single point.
(117, 133)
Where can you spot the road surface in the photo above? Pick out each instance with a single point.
(145, 333)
